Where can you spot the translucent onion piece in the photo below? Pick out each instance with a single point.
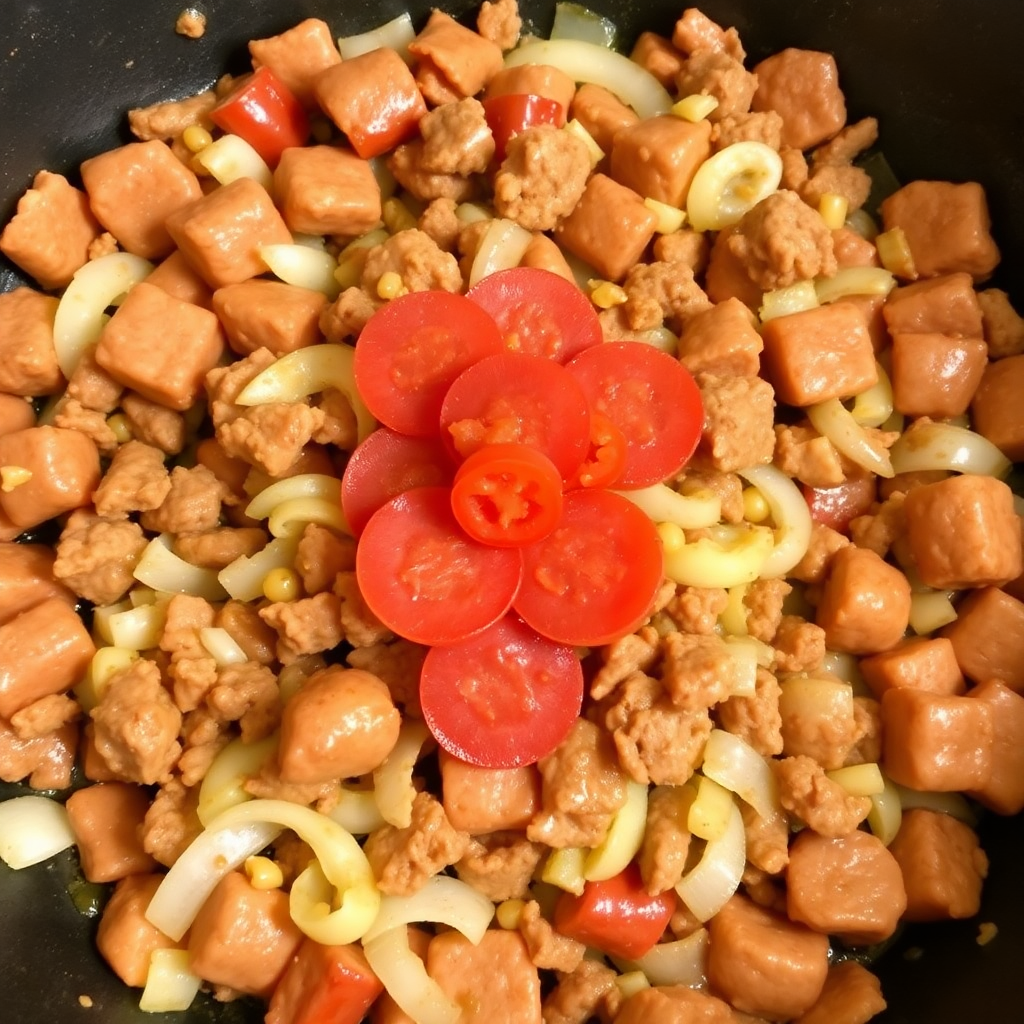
(631, 982)
(290, 518)
(80, 313)
(32, 829)
(574, 21)
(307, 371)
(697, 106)
(501, 247)
(736, 765)
(930, 610)
(886, 812)
(104, 664)
(596, 152)
(783, 301)
(170, 984)
(161, 569)
(471, 213)
(708, 887)
(663, 505)
(303, 485)
(405, 979)
(813, 700)
(943, 446)
(195, 874)
(844, 666)
(303, 267)
(396, 34)
(138, 629)
(442, 900)
(102, 614)
(791, 516)
(585, 62)
(624, 837)
(730, 183)
(953, 804)
(682, 962)
(743, 653)
(660, 338)
(861, 222)
(223, 785)
(392, 781)
(310, 241)
(670, 218)
(222, 646)
(873, 407)
(230, 158)
(733, 619)
(357, 812)
(243, 578)
(854, 281)
(711, 811)
(385, 182)
(738, 558)
(859, 779)
(832, 420)
(564, 869)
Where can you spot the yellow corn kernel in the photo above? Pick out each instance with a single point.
(13, 476)
(120, 427)
(606, 294)
(508, 914)
(263, 873)
(196, 138)
(695, 107)
(987, 931)
(670, 218)
(672, 537)
(894, 253)
(396, 216)
(833, 208)
(755, 508)
(390, 285)
(281, 584)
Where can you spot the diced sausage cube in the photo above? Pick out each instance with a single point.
(220, 235)
(26, 579)
(996, 409)
(936, 375)
(803, 87)
(50, 234)
(935, 743)
(1004, 326)
(269, 314)
(963, 532)
(659, 156)
(943, 866)
(176, 276)
(852, 995)
(721, 340)
(764, 964)
(479, 800)
(865, 603)
(453, 56)
(819, 354)
(297, 56)
(610, 227)
(602, 113)
(922, 663)
(533, 80)
(326, 190)
(656, 55)
(942, 305)
(946, 227)
(28, 360)
(853, 250)
(727, 276)
(160, 346)
(134, 189)
(988, 637)
(107, 822)
(15, 414)
(1004, 790)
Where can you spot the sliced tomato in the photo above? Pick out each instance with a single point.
(424, 578)
(837, 506)
(518, 399)
(652, 398)
(606, 456)
(505, 698)
(617, 916)
(262, 110)
(507, 495)
(538, 312)
(412, 349)
(385, 464)
(510, 114)
(594, 577)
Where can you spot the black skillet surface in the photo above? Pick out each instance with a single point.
(943, 77)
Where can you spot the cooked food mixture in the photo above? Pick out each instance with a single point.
(527, 543)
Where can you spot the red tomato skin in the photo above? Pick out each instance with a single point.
(837, 507)
(510, 114)
(265, 113)
(652, 398)
(594, 578)
(502, 699)
(538, 313)
(617, 916)
(606, 458)
(424, 578)
(387, 464)
(518, 399)
(412, 350)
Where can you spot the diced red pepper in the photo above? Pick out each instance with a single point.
(512, 113)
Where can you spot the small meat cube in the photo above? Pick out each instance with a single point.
(696, 670)
(160, 346)
(297, 56)
(727, 277)
(220, 234)
(947, 227)
(135, 481)
(269, 314)
(661, 293)
(853, 250)
(134, 189)
(407, 166)
(987, 637)
(716, 74)
(802, 86)
(739, 417)
(963, 532)
(501, 865)
(1004, 790)
(657, 55)
(995, 408)
(326, 190)
(452, 59)
(168, 120)
(154, 424)
(1004, 327)
(416, 258)
(609, 228)
(478, 800)
(674, 1004)
(96, 557)
(26, 579)
(763, 964)
(815, 799)
(755, 719)
(46, 761)
(659, 156)
(924, 663)
(192, 504)
(757, 126)
(662, 856)
(850, 886)
(602, 113)
(15, 414)
(819, 354)
(457, 139)
(852, 995)
(176, 277)
(940, 305)
(695, 31)
(943, 866)
(243, 937)
(500, 22)
(28, 360)
(936, 375)
(107, 820)
(721, 340)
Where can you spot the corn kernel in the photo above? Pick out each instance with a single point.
(755, 508)
(281, 584)
(120, 427)
(391, 285)
(987, 931)
(894, 253)
(606, 294)
(833, 208)
(196, 138)
(13, 476)
(508, 914)
(396, 216)
(263, 873)
(672, 537)
(695, 107)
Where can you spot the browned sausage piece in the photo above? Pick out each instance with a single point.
(269, 314)
(46, 761)
(479, 800)
(15, 414)
(176, 277)
(453, 56)
(107, 821)
(659, 156)
(26, 579)
(674, 1004)
(936, 375)
(988, 637)
(727, 276)
(802, 86)
(534, 80)
(28, 360)
(852, 995)
(924, 663)
(942, 305)
(297, 56)
(1004, 791)
(602, 113)
(996, 411)
(657, 55)
(850, 886)
(721, 340)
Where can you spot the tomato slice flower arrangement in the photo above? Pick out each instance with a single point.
(512, 113)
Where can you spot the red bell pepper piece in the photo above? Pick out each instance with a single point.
(510, 114)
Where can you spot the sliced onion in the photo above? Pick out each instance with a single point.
(859, 779)
(243, 578)
(730, 183)
(80, 313)
(303, 267)
(32, 829)
(441, 900)
(930, 610)
(625, 834)
(357, 812)
(302, 485)
(953, 804)
(873, 407)
(223, 785)
(160, 568)
(942, 446)
(664, 505)
(170, 984)
(790, 513)
(395, 34)
(586, 62)
(682, 962)
(854, 281)
(231, 157)
(138, 629)
(392, 781)
(291, 518)
(709, 886)
(833, 420)
(886, 813)
(405, 979)
(736, 558)
(563, 868)
(222, 646)
(597, 154)
(105, 663)
(574, 21)
(736, 765)
(710, 811)
(783, 301)
(501, 248)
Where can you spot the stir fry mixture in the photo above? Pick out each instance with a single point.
(527, 545)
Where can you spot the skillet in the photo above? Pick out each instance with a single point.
(941, 76)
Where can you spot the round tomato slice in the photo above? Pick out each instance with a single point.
(652, 398)
(504, 698)
(606, 457)
(594, 577)
(412, 349)
(510, 114)
(538, 312)
(384, 465)
(518, 399)
(507, 495)
(424, 578)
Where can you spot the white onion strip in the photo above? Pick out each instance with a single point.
(395, 34)
(873, 407)
(833, 420)
(681, 962)
(736, 765)
(737, 557)
(163, 570)
(32, 829)
(302, 485)
(709, 886)
(625, 834)
(290, 518)
(501, 248)
(231, 157)
(170, 984)
(302, 266)
(790, 513)
(392, 781)
(223, 785)
(405, 979)
(441, 900)
(854, 281)
(664, 505)
(243, 578)
(943, 446)
(730, 183)
(221, 646)
(357, 812)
